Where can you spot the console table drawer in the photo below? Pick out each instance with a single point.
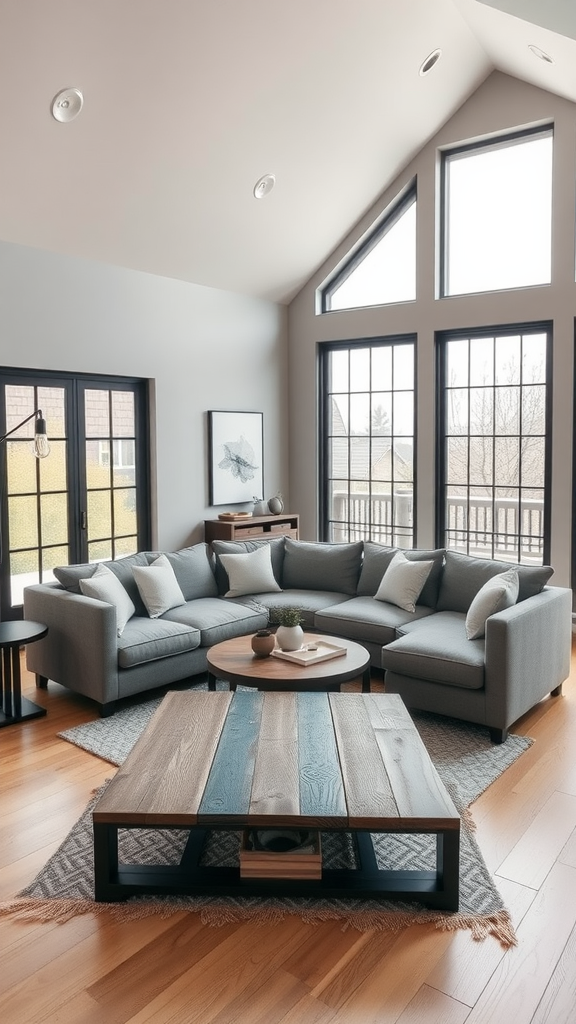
(254, 528)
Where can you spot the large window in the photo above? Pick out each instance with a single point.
(495, 443)
(497, 214)
(89, 499)
(383, 268)
(367, 441)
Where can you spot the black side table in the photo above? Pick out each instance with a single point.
(15, 707)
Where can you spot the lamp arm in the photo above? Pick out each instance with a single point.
(37, 412)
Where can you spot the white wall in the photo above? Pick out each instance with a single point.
(501, 103)
(202, 348)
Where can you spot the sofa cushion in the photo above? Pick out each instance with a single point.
(238, 547)
(146, 639)
(218, 618)
(363, 618)
(105, 586)
(308, 601)
(250, 572)
(403, 581)
(464, 575)
(497, 593)
(193, 569)
(70, 575)
(377, 559)
(158, 586)
(437, 649)
(313, 565)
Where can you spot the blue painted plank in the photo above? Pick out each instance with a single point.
(229, 783)
(321, 787)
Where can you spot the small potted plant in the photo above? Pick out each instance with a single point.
(289, 635)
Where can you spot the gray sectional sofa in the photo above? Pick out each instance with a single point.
(516, 655)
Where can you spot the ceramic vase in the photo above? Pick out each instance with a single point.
(260, 507)
(263, 643)
(289, 638)
(276, 504)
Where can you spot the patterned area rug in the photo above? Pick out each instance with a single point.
(465, 758)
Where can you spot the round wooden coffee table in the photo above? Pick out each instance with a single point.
(235, 662)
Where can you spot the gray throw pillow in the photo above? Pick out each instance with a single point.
(464, 576)
(193, 569)
(313, 565)
(103, 585)
(69, 576)
(377, 558)
(403, 582)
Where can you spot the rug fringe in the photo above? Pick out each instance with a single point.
(498, 925)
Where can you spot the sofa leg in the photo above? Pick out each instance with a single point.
(41, 682)
(557, 691)
(107, 709)
(498, 735)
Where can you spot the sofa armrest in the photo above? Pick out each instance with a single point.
(80, 650)
(528, 649)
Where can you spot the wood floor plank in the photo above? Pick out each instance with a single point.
(542, 843)
(431, 1007)
(558, 1004)
(466, 967)
(521, 978)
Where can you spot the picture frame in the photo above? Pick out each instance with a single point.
(236, 445)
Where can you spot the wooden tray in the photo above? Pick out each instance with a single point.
(321, 651)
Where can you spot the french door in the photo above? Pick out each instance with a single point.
(88, 501)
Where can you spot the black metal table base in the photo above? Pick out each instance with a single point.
(437, 889)
(28, 710)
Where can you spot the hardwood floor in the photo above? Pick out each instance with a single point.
(94, 971)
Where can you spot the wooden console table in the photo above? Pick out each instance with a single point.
(252, 528)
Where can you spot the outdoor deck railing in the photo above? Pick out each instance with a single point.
(505, 528)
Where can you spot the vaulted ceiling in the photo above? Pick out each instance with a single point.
(187, 103)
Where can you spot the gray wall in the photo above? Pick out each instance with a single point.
(501, 103)
(202, 348)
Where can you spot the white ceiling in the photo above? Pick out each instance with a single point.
(188, 102)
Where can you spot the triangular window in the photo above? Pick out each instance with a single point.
(383, 269)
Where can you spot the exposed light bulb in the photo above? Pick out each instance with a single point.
(40, 447)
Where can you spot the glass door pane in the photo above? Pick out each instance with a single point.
(36, 490)
(110, 466)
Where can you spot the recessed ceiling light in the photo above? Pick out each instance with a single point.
(430, 62)
(264, 186)
(541, 54)
(67, 105)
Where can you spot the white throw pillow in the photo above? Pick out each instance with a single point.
(158, 586)
(250, 573)
(104, 585)
(403, 582)
(497, 593)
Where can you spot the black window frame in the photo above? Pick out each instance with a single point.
(498, 142)
(324, 349)
(403, 201)
(500, 330)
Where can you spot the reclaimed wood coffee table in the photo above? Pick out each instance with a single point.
(234, 661)
(347, 762)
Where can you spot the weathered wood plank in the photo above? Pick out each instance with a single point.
(418, 790)
(321, 787)
(275, 787)
(368, 792)
(163, 778)
(229, 785)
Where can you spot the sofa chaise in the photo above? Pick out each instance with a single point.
(471, 638)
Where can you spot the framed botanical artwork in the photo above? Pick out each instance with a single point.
(236, 442)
